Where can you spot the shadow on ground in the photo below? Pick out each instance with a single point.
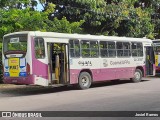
(23, 90)
(157, 75)
(113, 82)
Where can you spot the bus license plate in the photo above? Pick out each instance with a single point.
(14, 81)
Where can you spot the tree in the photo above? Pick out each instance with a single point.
(110, 17)
(136, 22)
(27, 19)
(16, 15)
(75, 10)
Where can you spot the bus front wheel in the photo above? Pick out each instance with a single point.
(137, 76)
(84, 81)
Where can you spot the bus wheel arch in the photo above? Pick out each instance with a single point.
(142, 70)
(85, 79)
(139, 73)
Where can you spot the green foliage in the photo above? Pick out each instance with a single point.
(27, 20)
(108, 17)
(20, 15)
(87, 10)
(132, 18)
(137, 23)
(65, 26)
(19, 4)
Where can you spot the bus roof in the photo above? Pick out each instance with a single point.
(79, 36)
(157, 40)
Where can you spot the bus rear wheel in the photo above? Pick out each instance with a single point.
(137, 76)
(84, 81)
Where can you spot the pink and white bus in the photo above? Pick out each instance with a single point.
(49, 58)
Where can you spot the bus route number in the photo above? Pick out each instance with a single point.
(85, 63)
(15, 67)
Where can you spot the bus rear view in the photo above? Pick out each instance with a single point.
(15, 63)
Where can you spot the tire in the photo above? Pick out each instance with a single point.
(84, 80)
(137, 76)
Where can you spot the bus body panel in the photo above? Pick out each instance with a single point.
(105, 68)
(39, 68)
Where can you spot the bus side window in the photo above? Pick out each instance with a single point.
(126, 47)
(134, 49)
(94, 48)
(119, 49)
(104, 48)
(137, 49)
(111, 49)
(89, 48)
(107, 49)
(71, 48)
(39, 48)
(85, 48)
(140, 49)
(74, 48)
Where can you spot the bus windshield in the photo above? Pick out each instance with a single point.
(15, 43)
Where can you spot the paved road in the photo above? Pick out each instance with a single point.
(109, 96)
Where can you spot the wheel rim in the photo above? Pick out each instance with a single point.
(85, 81)
(137, 75)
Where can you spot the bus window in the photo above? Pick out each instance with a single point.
(18, 46)
(94, 48)
(107, 49)
(134, 49)
(85, 48)
(119, 49)
(15, 43)
(89, 48)
(74, 48)
(126, 47)
(140, 49)
(111, 49)
(123, 49)
(137, 49)
(104, 48)
(39, 48)
(71, 48)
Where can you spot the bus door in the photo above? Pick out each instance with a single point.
(58, 63)
(150, 61)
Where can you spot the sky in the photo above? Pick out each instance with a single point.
(39, 7)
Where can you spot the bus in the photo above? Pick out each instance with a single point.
(156, 44)
(54, 59)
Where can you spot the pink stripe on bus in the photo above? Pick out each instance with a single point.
(105, 74)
